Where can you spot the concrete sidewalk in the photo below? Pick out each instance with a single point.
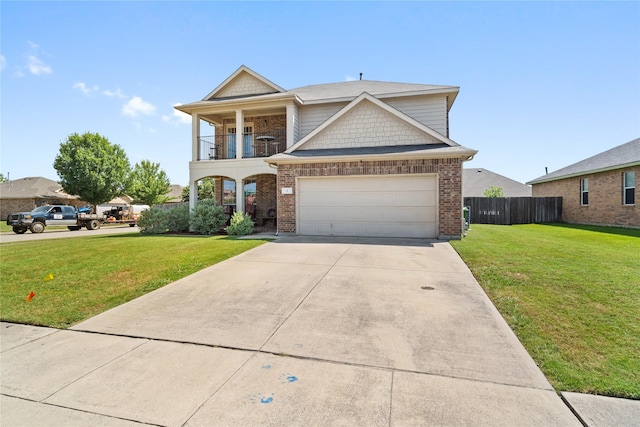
(353, 332)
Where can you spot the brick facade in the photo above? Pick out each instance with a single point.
(449, 186)
(9, 206)
(605, 198)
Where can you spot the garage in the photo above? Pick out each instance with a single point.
(368, 206)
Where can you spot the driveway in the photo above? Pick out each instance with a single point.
(301, 331)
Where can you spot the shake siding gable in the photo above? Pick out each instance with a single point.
(367, 125)
(244, 84)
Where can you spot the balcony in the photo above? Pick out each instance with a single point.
(256, 144)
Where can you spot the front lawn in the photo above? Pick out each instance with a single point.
(94, 274)
(572, 296)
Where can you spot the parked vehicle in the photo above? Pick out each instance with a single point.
(43, 216)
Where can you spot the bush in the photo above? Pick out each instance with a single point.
(241, 225)
(178, 219)
(153, 221)
(207, 218)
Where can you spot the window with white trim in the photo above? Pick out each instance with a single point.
(629, 188)
(584, 191)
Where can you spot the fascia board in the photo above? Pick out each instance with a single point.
(240, 103)
(588, 172)
(464, 154)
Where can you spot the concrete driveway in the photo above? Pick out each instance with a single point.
(301, 331)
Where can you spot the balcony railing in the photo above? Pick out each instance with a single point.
(257, 144)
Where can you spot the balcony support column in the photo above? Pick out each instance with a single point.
(239, 195)
(239, 133)
(195, 136)
(291, 125)
(193, 195)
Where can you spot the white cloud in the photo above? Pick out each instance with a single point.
(3, 61)
(84, 88)
(117, 94)
(350, 78)
(36, 66)
(178, 117)
(137, 106)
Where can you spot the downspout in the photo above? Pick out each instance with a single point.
(277, 203)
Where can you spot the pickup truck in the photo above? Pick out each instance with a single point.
(39, 218)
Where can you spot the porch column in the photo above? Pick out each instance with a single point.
(239, 133)
(239, 196)
(193, 195)
(291, 124)
(195, 135)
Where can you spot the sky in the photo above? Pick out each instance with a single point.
(542, 84)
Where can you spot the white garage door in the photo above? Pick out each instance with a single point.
(376, 206)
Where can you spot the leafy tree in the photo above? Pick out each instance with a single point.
(3, 178)
(148, 184)
(92, 168)
(205, 190)
(493, 192)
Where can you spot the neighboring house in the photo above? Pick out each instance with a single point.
(476, 181)
(356, 158)
(26, 194)
(599, 190)
(175, 195)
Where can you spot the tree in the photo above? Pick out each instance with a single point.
(2, 178)
(92, 168)
(206, 190)
(493, 192)
(148, 184)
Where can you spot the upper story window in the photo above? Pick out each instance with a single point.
(629, 188)
(584, 191)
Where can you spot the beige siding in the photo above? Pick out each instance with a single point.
(312, 116)
(244, 84)
(429, 110)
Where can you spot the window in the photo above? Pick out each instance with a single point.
(629, 188)
(584, 191)
(229, 192)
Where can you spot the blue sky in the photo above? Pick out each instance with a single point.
(542, 84)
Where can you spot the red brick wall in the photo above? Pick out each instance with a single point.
(605, 199)
(449, 186)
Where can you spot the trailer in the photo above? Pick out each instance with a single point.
(38, 219)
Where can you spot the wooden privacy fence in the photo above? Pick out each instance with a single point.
(514, 210)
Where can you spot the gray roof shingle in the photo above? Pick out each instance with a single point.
(32, 187)
(476, 180)
(622, 156)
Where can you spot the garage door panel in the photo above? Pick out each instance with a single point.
(385, 206)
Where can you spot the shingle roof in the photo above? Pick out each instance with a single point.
(476, 180)
(352, 89)
(32, 187)
(622, 156)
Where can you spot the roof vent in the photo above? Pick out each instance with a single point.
(360, 76)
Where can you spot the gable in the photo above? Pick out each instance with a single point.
(243, 82)
(369, 122)
(367, 125)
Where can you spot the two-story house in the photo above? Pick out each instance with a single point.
(356, 158)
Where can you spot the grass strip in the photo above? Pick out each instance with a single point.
(94, 274)
(572, 296)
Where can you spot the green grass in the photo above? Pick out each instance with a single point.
(94, 274)
(572, 296)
